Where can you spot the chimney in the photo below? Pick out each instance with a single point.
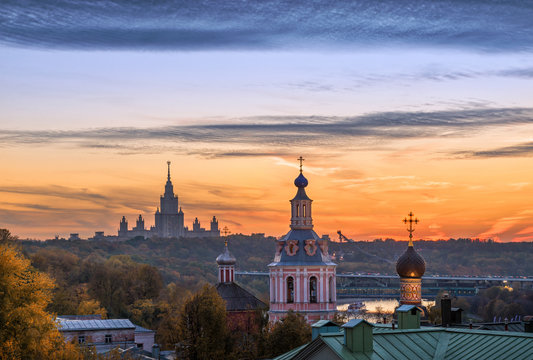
(528, 324)
(358, 336)
(408, 317)
(155, 351)
(446, 310)
(323, 326)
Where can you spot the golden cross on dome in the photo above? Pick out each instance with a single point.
(226, 232)
(410, 221)
(301, 160)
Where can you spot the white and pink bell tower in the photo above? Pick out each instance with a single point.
(302, 275)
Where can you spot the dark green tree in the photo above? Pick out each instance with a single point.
(289, 333)
(202, 326)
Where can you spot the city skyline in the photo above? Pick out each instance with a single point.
(395, 109)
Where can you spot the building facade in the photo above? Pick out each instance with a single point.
(105, 335)
(169, 221)
(302, 275)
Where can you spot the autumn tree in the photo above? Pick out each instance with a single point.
(289, 333)
(170, 305)
(27, 330)
(202, 326)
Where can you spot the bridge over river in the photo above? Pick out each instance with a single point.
(388, 286)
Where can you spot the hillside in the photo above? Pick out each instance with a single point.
(190, 262)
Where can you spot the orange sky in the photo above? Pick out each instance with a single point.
(364, 189)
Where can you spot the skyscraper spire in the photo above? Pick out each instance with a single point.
(168, 177)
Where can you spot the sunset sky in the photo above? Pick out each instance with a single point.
(423, 106)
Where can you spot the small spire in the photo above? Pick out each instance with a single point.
(168, 164)
(301, 160)
(411, 221)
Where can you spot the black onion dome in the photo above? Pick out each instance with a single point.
(226, 258)
(300, 181)
(410, 264)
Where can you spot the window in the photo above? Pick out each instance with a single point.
(331, 289)
(297, 210)
(304, 211)
(140, 346)
(312, 289)
(81, 339)
(290, 289)
(108, 339)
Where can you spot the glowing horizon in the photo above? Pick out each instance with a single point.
(396, 109)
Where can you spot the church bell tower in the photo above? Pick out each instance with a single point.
(302, 275)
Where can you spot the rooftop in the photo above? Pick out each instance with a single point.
(79, 325)
(238, 298)
(424, 343)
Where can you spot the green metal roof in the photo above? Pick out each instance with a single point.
(321, 323)
(431, 343)
(290, 354)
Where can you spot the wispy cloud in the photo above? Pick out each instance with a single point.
(56, 191)
(176, 24)
(523, 149)
(263, 134)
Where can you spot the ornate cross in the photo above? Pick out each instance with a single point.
(225, 231)
(410, 221)
(301, 160)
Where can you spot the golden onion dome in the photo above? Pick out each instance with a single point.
(410, 264)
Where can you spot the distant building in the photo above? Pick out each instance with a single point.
(241, 306)
(302, 275)
(169, 220)
(105, 335)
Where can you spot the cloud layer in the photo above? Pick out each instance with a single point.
(199, 25)
(280, 132)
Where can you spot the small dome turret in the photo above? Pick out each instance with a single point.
(410, 264)
(226, 258)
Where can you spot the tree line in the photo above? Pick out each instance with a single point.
(191, 321)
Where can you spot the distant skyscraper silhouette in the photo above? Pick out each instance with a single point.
(169, 220)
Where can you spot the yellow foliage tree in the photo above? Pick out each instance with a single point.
(27, 331)
(91, 307)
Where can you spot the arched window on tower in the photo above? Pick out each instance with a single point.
(304, 211)
(312, 289)
(297, 210)
(290, 290)
(331, 289)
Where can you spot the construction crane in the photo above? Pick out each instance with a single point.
(342, 237)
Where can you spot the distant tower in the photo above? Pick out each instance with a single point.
(169, 220)
(123, 229)
(140, 224)
(196, 225)
(214, 226)
(302, 275)
(411, 267)
(226, 265)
